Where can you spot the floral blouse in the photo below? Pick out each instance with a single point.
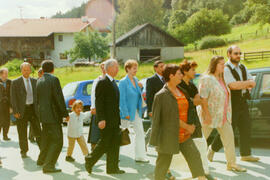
(210, 88)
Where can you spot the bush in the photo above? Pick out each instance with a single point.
(211, 42)
(203, 23)
(14, 67)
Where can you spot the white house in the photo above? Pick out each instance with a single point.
(44, 38)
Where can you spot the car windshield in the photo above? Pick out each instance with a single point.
(70, 89)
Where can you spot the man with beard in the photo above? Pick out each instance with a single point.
(240, 83)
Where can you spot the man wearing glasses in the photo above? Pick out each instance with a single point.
(240, 82)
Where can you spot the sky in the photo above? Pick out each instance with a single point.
(10, 9)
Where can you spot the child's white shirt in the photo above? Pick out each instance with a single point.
(75, 124)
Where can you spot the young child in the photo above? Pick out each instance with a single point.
(75, 129)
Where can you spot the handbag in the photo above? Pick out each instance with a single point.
(125, 139)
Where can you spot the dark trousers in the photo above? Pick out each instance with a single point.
(4, 119)
(109, 143)
(190, 153)
(29, 116)
(51, 144)
(241, 121)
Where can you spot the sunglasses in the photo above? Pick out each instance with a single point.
(237, 53)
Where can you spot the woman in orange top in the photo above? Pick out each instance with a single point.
(170, 131)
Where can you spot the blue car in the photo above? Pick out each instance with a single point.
(79, 90)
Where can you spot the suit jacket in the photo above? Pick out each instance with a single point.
(130, 98)
(2, 90)
(51, 103)
(7, 91)
(107, 103)
(165, 122)
(18, 95)
(153, 85)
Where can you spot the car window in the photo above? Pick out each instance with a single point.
(70, 89)
(87, 89)
(265, 87)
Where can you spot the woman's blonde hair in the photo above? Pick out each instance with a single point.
(129, 63)
(76, 103)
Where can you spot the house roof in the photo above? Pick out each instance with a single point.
(42, 27)
(139, 28)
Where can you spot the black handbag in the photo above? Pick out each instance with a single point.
(125, 139)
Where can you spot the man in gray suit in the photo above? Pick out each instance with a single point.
(52, 110)
(24, 105)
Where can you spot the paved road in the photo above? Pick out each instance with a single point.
(16, 168)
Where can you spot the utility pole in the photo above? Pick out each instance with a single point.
(113, 29)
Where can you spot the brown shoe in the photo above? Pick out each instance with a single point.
(250, 158)
(235, 167)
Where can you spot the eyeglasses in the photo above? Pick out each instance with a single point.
(238, 53)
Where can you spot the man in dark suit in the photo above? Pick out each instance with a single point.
(153, 85)
(24, 105)
(108, 119)
(52, 110)
(5, 104)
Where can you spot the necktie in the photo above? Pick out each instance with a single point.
(29, 94)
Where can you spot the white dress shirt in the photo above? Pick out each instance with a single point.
(25, 84)
(93, 93)
(110, 77)
(75, 124)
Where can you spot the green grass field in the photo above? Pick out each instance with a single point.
(202, 57)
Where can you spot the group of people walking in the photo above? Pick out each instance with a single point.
(182, 115)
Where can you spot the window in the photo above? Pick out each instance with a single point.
(265, 88)
(63, 56)
(60, 37)
(87, 89)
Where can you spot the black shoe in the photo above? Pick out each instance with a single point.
(88, 168)
(52, 170)
(39, 163)
(70, 159)
(116, 172)
(24, 155)
(209, 177)
(6, 139)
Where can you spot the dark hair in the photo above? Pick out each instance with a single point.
(168, 70)
(213, 64)
(156, 63)
(47, 66)
(186, 65)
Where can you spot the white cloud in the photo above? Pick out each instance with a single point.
(9, 9)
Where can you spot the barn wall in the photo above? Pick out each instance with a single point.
(125, 53)
(169, 53)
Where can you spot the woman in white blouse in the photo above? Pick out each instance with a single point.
(75, 129)
(215, 111)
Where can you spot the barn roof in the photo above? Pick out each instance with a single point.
(139, 28)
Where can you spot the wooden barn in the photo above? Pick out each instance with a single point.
(146, 42)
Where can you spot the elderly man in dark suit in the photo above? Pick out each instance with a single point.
(24, 105)
(5, 109)
(108, 119)
(153, 85)
(52, 110)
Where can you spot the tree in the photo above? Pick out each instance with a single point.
(76, 12)
(88, 45)
(137, 12)
(262, 10)
(203, 23)
(177, 18)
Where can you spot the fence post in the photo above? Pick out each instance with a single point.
(241, 37)
(256, 33)
(244, 56)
